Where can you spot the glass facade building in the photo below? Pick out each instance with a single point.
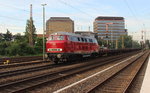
(109, 28)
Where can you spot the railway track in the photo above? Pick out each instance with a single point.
(33, 82)
(21, 64)
(19, 59)
(26, 70)
(9, 73)
(113, 79)
(120, 82)
(89, 83)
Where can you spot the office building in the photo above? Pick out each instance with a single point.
(109, 28)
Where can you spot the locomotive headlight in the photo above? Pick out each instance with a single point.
(60, 49)
(59, 55)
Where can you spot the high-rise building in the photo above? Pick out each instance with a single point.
(109, 28)
(57, 24)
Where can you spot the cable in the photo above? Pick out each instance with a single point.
(20, 9)
(133, 13)
(63, 2)
(11, 18)
(14, 7)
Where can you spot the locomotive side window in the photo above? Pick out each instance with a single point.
(82, 39)
(75, 38)
(70, 38)
(91, 40)
(85, 40)
(78, 39)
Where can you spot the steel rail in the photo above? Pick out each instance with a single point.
(36, 81)
(120, 81)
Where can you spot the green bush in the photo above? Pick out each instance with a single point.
(4, 48)
(20, 49)
(39, 45)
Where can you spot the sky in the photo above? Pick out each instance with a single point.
(14, 14)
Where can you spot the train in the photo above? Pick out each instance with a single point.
(66, 47)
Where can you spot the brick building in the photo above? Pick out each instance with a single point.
(109, 28)
(56, 24)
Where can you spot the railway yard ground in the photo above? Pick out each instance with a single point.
(123, 73)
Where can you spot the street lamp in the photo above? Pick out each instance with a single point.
(107, 24)
(43, 31)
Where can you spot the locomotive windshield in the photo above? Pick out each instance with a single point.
(56, 38)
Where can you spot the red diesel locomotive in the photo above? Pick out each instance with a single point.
(64, 46)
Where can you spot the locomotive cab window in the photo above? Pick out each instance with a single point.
(56, 38)
(60, 38)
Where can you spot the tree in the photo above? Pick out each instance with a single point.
(30, 33)
(4, 47)
(147, 44)
(39, 45)
(8, 36)
(1, 37)
(20, 49)
(135, 44)
(102, 43)
(18, 37)
(128, 42)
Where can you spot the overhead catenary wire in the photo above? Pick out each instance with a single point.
(14, 7)
(67, 4)
(14, 18)
(71, 6)
(17, 8)
(133, 13)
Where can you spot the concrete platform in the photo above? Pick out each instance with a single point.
(146, 82)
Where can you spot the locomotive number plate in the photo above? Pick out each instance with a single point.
(54, 49)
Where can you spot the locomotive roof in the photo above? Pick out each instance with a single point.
(71, 34)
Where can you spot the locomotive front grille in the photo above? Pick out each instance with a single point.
(54, 49)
